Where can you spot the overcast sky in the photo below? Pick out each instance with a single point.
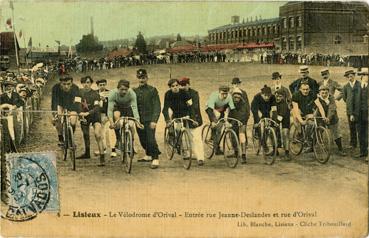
(47, 21)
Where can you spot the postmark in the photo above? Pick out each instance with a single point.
(29, 189)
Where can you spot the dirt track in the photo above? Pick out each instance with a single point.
(336, 190)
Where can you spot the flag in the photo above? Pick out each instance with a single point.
(30, 42)
(20, 34)
(9, 23)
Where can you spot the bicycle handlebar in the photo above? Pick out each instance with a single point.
(185, 118)
(265, 119)
(229, 119)
(137, 122)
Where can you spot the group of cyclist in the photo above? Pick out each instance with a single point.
(305, 98)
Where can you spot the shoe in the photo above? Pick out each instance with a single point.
(102, 160)
(96, 152)
(155, 164)
(84, 156)
(61, 144)
(361, 156)
(287, 157)
(200, 162)
(243, 159)
(146, 158)
(342, 153)
(219, 152)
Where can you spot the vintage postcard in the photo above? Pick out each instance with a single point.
(184, 118)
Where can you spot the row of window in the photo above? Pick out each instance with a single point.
(293, 43)
(246, 32)
(291, 22)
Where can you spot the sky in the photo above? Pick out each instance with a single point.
(68, 20)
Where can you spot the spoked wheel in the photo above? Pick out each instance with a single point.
(207, 141)
(65, 142)
(231, 148)
(72, 148)
(186, 149)
(127, 152)
(296, 140)
(321, 144)
(256, 141)
(169, 142)
(269, 145)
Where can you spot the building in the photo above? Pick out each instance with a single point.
(258, 31)
(7, 47)
(304, 27)
(324, 27)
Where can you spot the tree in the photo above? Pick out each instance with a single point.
(179, 38)
(140, 44)
(88, 43)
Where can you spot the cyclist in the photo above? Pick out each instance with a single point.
(107, 135)
(218, 105)
(195, 114)
(122, 102)
(280, 112)
(65, 95)
(304, 103)
(304, 78)
(241, 113)
(91, 113)
(330, 108)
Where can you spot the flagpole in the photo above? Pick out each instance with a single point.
(15, 36)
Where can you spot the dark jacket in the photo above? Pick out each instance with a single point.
(352, 98)
(333, 86)
(66, 100)
(258, 104)
(330, 110)
(195, 113)
(241, 112)
(281, 111)
(177, 102)
(148, 103)
(90, 101)
(15, 99)
(295, 85)
(286, 94)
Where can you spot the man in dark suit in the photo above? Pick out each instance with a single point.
(277, 86)
(304, 73)
(362, 122)
(9, 96)
(351, 96)
(332, 85)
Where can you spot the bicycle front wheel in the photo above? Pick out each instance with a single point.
(186, 149)
(269, 143)
(231, 148)
(128, 151)
(207, 141)
(169, 142)
(256, 140)
(72, 147)
(296, 140)
(321, 144)
(65, 141)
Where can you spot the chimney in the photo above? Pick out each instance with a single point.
(92, 25)
(235, 19)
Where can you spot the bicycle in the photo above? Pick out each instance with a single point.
(125, 144)
(178, 137)
(320, 140)
(231, 145)
(264, 139)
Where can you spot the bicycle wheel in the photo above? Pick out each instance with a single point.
(185, 149)
(296, 140)
(208, 142)
(256, 141)
(269, 143)
(128, 151)
(231, 148)
(65, 141)
(169, 141)
(321, 144)
(72, 147)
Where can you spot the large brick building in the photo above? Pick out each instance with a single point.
(324, 27)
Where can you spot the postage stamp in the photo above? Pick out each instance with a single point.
(32, 185)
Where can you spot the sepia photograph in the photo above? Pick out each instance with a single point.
(122, 118)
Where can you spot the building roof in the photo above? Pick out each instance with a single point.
(245, 24)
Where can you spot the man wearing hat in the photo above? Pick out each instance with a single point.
(262, 102)
(362, 121)
(241, 113)
(328, 103)
(148, 103)
(277, 85)
(351, 96)
(332, 85)
(9, 96)
(218, 105)
(195, 114)
(236, 83)
(304, 77)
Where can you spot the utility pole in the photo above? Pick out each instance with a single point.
(15, 35)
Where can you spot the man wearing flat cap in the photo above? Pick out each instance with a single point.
(10, 97)
(362, 122)
(351, 96)
(304, 77)
(277, 85)
(148, 103)
(332, 85)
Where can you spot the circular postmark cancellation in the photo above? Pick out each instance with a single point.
(28, 191)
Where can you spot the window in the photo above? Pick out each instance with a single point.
(298, 43)
(284, 23)
(337, 39)
(265, 31)
(244, 32)
(284, 43)
(299, 21)
(292, 22)
(291, 45)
